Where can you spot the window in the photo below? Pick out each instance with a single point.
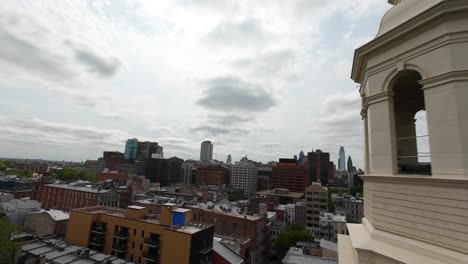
(141, 246)
(142, 233)
(134, 232)
(413, 155)
(133, 244)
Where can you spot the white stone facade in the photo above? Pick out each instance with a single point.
(414, 212)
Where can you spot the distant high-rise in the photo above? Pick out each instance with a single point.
(320, 168)
(146, 149)
(302, 156)
(244, 176)
(131, 149)
(206, 151)
(342, 159)
(351, 168)
(229, 159)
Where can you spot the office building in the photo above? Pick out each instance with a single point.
(93, 166)
(229, 159)
(206, 151)
(341, 159)
(146, 149)
(131, 149)
(414, 208)
(316, 201)
(244, 176)
(164, 171)
(212, 175)
(290, 174)
(188, 172)
(320, 167)
(113, 159)
(350, 167)
(132, 234)
(65, 197)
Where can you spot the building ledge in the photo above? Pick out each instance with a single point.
(454, 180)
(383, 245)
(345, 250)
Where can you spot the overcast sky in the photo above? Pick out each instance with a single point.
(262, 78)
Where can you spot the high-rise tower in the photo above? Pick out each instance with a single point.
(342, 159)
(206, 151)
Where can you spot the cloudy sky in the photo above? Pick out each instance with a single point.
(262, 78)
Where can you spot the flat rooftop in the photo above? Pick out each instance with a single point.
(59, 252)
(191, 228)
(77, 188)
(281, 193)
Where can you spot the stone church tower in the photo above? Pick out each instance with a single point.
(415, 204)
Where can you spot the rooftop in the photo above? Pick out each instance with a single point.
(281, 192)
(231, 210)
(57, 215)
(296, 256)
(225, 252)
(80, 186)
(59, 252)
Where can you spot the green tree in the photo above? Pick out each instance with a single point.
(71, 174)
(4, 164)
(19, 173)
(355, 190)
(8, 248)
(293, 234)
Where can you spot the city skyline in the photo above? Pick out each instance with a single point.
(113, 71)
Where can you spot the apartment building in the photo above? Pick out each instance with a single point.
(136, 236)
(316, 202)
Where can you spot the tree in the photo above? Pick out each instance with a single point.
(19, 173)
(8, 247)
(355, 190)
(294, 233)
(4, 164)
(71, 174)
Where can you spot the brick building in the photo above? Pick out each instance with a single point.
(68, 196)
(300, 213)
(290, 174)
(211, 176)
(316, 202)
(320, 167)
(251, 228)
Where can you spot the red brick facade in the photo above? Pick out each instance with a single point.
(55, 196)
(211, 176)
(290, 175)
(253, 227)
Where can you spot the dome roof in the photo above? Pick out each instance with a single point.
(403, 11)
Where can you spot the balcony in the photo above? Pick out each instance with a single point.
(99, 229)
(150, 256)
(121, 235)
(97, 242)
(121, 248)
(150, 242)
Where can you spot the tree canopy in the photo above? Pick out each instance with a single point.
(72, 174)
(4, 164)
(8, 247)
(294, 233)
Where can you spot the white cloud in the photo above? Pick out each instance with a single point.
(153, 69)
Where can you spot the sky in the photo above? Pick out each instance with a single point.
(262, 78)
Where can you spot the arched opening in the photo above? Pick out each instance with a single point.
(410, 124)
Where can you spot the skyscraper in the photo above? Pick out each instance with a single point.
(206, 151)
(350, 166)
(131, 149)
(229, 159)
(342, 159)
(320, 168)
(146, 149)
(244, 176)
